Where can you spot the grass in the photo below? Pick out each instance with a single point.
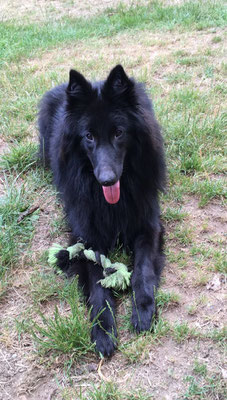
(44, 285)
(183, 234)
(65, 333)
(14, 234)
(174, 214)
(138, 348)
(164, 299)
(23, 41)
(209, 190)
(107, 391)
(214, 387)
(182, 331)
(21, 157)
(200, 368)
(178, 51)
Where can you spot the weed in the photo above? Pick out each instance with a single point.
(217, 335)
(213, 388)
(181, 332)
(138, 348)
(44, 285)
(20, 158)
(193, 308)
(120, 255)
(183, 234)
(208, 189)
(199, 368)
(108, 391)
(68, 333)
(174, 214)
(216, 39)
(189, 61)
(163, 299)
(178, 77)
(57, 225)
(220, 261)
(201, 278)
(14, 234)
(209, 71)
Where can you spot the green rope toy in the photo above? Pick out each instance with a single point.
(116, 275)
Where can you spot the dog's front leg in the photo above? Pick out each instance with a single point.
(101, 300)
(102, 314)
(148, 263)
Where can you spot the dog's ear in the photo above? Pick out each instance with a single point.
(118, 83)
(78, 86)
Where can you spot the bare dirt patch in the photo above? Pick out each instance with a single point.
(202, 303)
(48, 213)
(21, 381)
(210, 220)
(3, 146)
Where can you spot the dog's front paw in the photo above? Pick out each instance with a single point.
(105, 341)
(142, 315)
(63, 259)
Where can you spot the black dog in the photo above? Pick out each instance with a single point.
(105, 149)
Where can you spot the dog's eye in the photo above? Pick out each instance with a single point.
(119, 133)
(89, 137)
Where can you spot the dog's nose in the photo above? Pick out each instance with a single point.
(107, 177)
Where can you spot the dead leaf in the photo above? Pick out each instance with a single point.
(215, 283)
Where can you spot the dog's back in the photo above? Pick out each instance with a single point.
(49, 116)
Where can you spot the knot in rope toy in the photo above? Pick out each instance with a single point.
(116, 275)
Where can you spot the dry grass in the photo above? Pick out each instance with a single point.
(195, 240)
(42, 10)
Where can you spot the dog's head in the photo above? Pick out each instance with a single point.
(98, 115)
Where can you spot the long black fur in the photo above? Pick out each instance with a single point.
(93, 134)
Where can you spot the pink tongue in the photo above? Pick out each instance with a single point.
(112, 193)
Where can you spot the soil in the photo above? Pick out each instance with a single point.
(162, 368)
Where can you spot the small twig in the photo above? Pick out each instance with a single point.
(100, 372)
(26, 213)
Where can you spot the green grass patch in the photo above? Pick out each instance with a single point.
(199, 368)
(184, 234)
(164, 299)
(216, 39)
(194, 136)
(189, 61)
(182, 332)
(178, 77)
(208, 189)
(220, 261)
(108, 391)
(217, 335)
(45, 285)
(173, 214)
(23, 41)
(15, 234)
(212, 388)
(68, 332)
(20, 158)
(139, 347)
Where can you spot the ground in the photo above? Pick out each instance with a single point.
(177, 48)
